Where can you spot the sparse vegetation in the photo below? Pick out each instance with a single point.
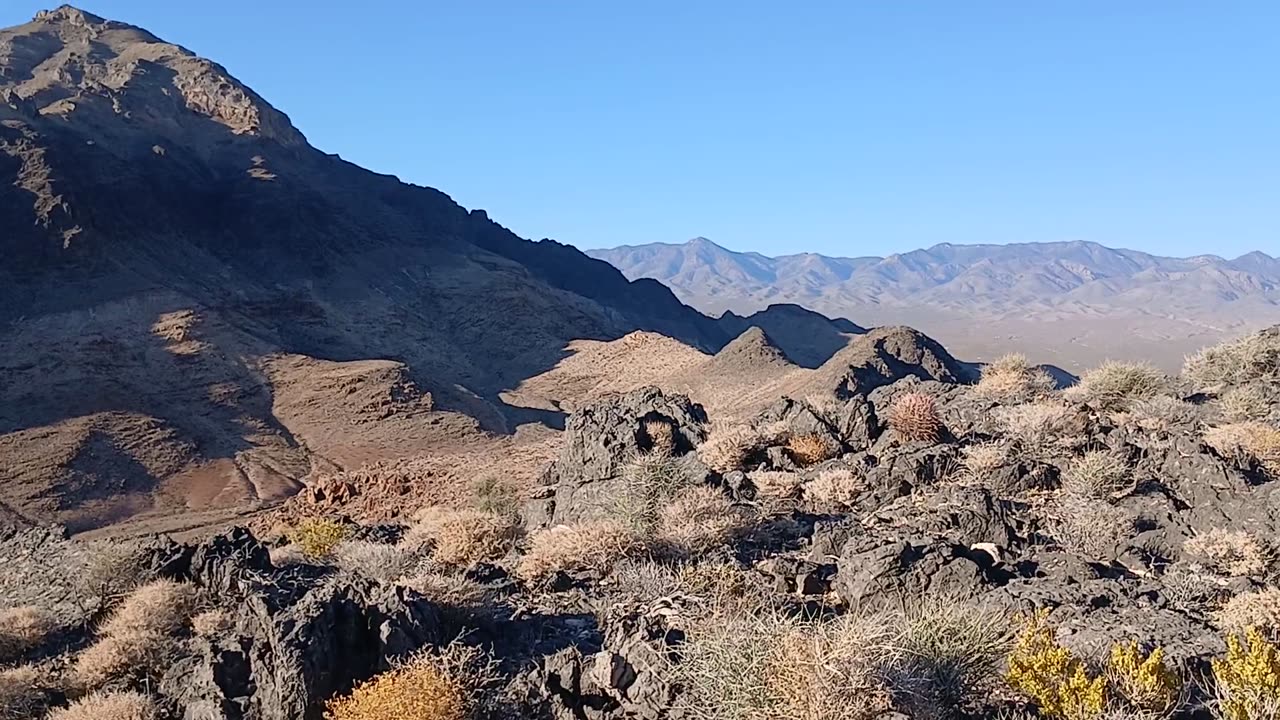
(461, 537)
(811, 449)
(983, 459)
(1041, 429)
(383, 562)
(212, 623)
(589, 546)
(21, 695)
(660, 436)
(1141, 682)
(110, 706)
(1115, 386)
(1049, 674)
(1096, 474)
(833, 489)
(775, 486)
(1254, 402)
(1012, 378)
(318, 537)
(650, 480)
(1247, 680)
(952, 651)
(1090, 526)
(1236, 553)
(138, 636)
(698, 519)
(1252, 357)
(1259, 610)
(161, 606)
(1247, 443)
(914, 418)
(730, 446)
(22, 629)
(114, 570)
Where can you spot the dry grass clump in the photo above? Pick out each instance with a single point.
(1255, 402)
(383, 562)
(729, 446)
(462, 537)
(22, 629)
(443, 685)
(914, 418)
(811, 449)
(1190, 586)
(660, 436)
(21, 694)
(1097, 474)
(138, 636)
(952, 653)
(161, 606)
(773, 486)
(589, 546)
(1252, 357)
(1116, 386)
(1042, 429)
(110, 706)
(212, 623)
(1260, 610)
(495, 494)
(114, 569)
(1161, 414)
(649, 480)
(1246, 443)
(1012, 378)
(1234, 553)
(318, 537)
(1090, 526)
(982, 459)
(833, 489)
(448, 589)
(698, 519)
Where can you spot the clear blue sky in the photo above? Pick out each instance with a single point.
(842, 127)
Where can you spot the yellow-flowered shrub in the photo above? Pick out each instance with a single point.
(318, 537)
(1248, 678)
(1145, 683)
(1050, 675)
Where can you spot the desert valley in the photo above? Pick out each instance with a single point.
(282, 438)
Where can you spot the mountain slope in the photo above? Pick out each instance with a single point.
(199, 310)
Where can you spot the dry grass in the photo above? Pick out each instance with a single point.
(448, 590)
(660, 436)
(952, 653)
(1260, 610)
(1160, 415)
(914, 418)
(110, 706)
(1090, 526)
(21, 693)
(1042, 429)
(811, 449)
(1252, 357)
(1255, 402)
(1097, 474)
(697, 520)
(1247, 443)
(22, 629)
(1235, 553)
(1013, 378)
(212, 623)
(383, 562)
(161, 606)
(462, 537)
(1190, 586)
(833, 489)
(773, 486)
(1115, 386)
(983, 459)
(589, 546)
(650, 480)
(114, 657)
(729, 446)
(114, 569)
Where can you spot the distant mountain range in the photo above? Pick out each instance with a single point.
(1073, 301)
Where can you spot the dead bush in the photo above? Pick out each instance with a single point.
(1090, 526)
(1042, 429)
(1252, 357)
(1259, 610)
(114, 569)
(698, 519)
(1235, 553)
(729, 447)
(493, 494)
(1097, 474)
(130, 655)
(981, 460)
(1246, 444)
(775, 487)
(461, 537)
(160, 607)
(110, 706)
(377, 561)
(1115, 386)
(1254, 402)
(212, 623)
(1190, 586)
(1160, 415)
(22, 629)
(661, 437)
(22, 695)
(833, 489)
(914, 418)
(811, 449)
(589, 546)
(1013, 378)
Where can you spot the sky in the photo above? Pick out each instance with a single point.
(844, 128)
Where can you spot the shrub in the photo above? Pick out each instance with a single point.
(212, 623)
(110, 706)
(1042, 429)
(588, 546)
(448, 590)
(114, 569)
(1255, 402)
(649, 480)
(22, 629)
(914, 417)
(811, 449)
(833, 489)
(1236, 553)
(318, 537)
(1247, 680)
(21, 694)
(661, 437)
(130, 655)
(159, 607)
(1252, 357)
(1050, 675)
(1260, 610)
(698, 519)
(985, 458)
(1089, 526)
(1246, 443)
(1161, 414)
(951, 651)
(1189, 586)
(1144, 684)
(495, 495)
(462, 537)
(1117, 385)
(1096, 474)
(450, 684)
(775, 486)
(377, 561)
(1013, 378)
(729, 447)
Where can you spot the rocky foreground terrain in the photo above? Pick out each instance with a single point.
(908, 546)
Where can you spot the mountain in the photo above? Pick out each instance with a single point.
(1072, 303)
(199, 310)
